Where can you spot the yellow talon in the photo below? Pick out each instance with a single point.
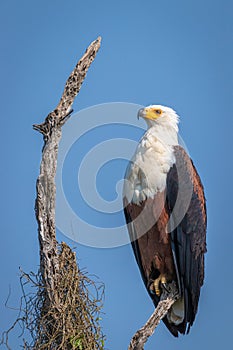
(156, 284)
(163, 280)
(156, 287)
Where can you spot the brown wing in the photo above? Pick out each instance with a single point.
(151, 243)
(179, 254)
(189, 235)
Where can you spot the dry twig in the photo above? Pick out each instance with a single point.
(169, 296)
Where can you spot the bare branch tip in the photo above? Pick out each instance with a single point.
(96, 43)
(99, 39)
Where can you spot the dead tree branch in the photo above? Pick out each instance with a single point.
(66, 316)
(46, 190)
(64, 312)
(169, 296)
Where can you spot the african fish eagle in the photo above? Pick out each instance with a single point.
(165, 211)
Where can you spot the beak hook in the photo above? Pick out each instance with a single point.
(141, 113)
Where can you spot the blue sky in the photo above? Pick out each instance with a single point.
(176, 53)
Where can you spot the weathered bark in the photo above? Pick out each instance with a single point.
(46, 190)
(166, 301)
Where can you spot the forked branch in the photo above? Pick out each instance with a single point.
(71, 90)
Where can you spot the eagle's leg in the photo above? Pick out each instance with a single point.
(157, 284)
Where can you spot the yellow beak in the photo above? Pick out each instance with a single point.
(147, 113)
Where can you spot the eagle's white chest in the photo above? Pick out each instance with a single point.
(147, 172)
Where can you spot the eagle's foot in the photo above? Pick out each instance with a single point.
(161, 281)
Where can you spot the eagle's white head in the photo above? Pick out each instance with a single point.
(159, 115)
(163, 122)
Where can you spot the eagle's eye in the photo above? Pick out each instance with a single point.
(158, 111)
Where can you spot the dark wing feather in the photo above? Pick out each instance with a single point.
(138, 219)
(189, 237)
(129, 217)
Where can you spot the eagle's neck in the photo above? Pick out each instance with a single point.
(166, 134)
(154, 156)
